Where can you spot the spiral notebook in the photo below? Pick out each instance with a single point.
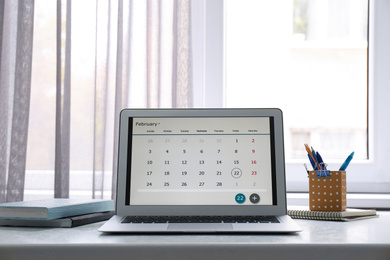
(348, 215)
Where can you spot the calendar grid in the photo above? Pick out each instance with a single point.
(219, 165)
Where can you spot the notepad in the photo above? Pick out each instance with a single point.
(347, 215)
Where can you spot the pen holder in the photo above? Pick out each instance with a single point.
(327, 190)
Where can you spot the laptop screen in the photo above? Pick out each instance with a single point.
(201, 160)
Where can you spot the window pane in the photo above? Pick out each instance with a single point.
(308, 58)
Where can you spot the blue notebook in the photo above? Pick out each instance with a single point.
(53, 208)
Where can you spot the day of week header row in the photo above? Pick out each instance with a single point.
(231, 125)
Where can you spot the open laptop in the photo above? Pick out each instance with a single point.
(201, 170)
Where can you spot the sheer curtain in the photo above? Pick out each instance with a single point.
(107, 55)
(15, 80)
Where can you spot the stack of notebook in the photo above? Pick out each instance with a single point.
(55, 212)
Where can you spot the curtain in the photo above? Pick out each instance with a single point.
(15, 80)
(140, 57)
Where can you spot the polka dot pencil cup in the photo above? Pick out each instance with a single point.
(328, 190)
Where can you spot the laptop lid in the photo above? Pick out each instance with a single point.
(201, 162)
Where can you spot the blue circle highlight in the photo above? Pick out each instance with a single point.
(240, 198)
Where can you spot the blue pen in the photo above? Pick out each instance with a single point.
(346, 162)
(321, 162)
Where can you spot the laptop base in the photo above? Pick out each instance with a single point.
(285, 225)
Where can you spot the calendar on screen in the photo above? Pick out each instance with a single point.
(200, 161)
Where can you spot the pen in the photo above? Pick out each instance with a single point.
(312, 162)
(312, 158)
(314, 155)
(307, 170)
(346, 162)
(321, 162)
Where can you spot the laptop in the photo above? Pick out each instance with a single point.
(201, 171)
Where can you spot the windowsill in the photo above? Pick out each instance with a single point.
(354, 200)
(362, 239)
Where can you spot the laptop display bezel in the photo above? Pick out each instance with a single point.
(123, 179)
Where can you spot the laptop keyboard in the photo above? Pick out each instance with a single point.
(200, 219)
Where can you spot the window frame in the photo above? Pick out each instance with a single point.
(208, 53)
(366, 176)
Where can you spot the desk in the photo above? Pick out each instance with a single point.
(363, 239)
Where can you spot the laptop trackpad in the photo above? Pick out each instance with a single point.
(199, 226)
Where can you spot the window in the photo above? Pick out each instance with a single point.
(368, 173)
(307, 58)
(311, 59)
(224, 76)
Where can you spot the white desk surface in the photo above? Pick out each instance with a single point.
(363, 239)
